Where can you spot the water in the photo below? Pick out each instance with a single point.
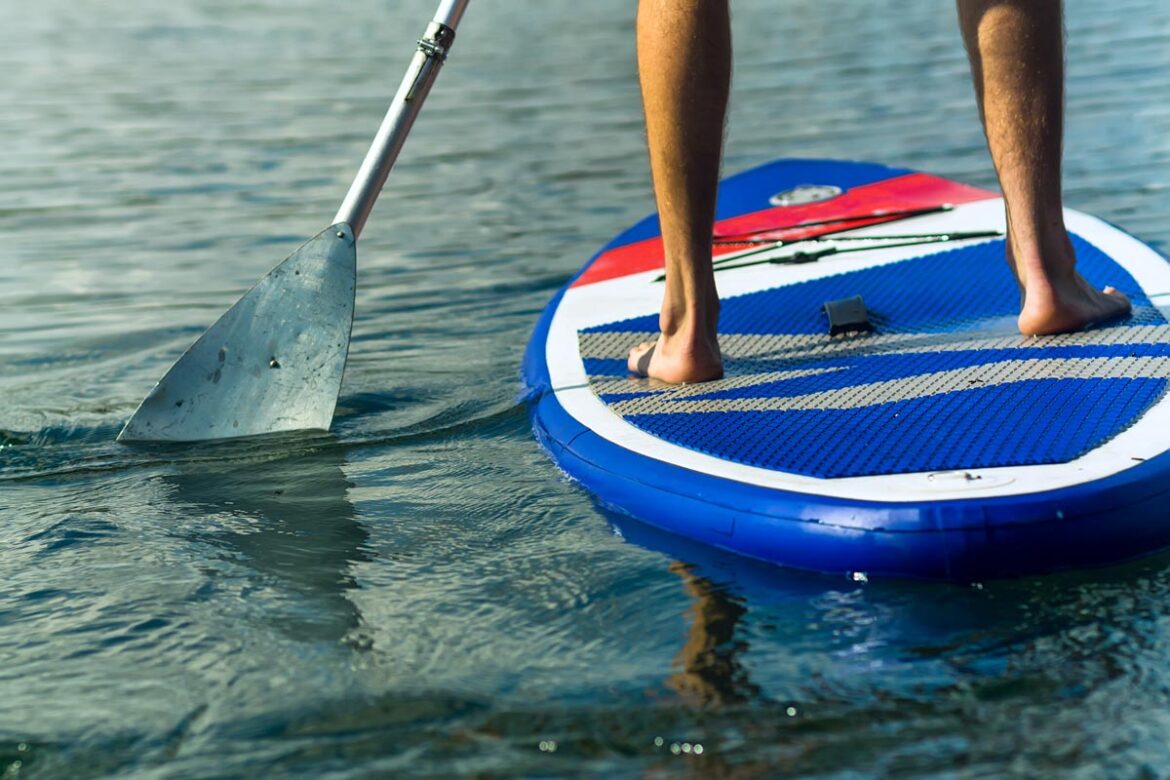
(420, 591)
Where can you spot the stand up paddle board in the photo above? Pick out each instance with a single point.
(880, 412)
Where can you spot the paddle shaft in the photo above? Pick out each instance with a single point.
(424, 67)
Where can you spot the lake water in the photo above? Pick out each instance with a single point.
(420, 591)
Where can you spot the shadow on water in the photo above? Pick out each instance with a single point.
(290, 521)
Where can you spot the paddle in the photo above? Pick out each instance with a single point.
(274, 361)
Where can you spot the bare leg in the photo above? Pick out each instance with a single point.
(684, 61)
(1017, 60)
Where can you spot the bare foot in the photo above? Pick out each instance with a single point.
(677, 358)
(1067, 305)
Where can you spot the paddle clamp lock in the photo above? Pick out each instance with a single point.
(433, 47)
(848, 315)
(437, 40)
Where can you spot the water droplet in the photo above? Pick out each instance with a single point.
(675, 748)
(273, 363)
(686, 747)
(791, 712)
(859, 576)
(658, 742)
(698, 749)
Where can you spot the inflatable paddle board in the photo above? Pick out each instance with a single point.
(880, 413)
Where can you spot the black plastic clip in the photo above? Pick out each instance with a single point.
(848, 315)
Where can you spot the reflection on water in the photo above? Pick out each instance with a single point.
(709, 670)
(422, 592)
(290, 522)
(826, 676)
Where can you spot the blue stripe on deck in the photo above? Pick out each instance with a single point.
(1023, 423)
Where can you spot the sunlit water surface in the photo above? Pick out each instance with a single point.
(421, 591)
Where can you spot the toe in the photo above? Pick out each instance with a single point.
(1119, 299)
(639, 362)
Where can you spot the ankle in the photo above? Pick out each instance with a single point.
(689, 320)
(1049, 261)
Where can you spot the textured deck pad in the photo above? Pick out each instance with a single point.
(942, 384)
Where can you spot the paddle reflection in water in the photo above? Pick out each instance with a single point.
(291, 523)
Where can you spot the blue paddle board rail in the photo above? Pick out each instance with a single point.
(789, 411)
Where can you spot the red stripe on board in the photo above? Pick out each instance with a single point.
(901, 193)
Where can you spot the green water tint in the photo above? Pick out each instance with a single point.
(421, 592)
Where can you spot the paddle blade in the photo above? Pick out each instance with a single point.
(272, 363)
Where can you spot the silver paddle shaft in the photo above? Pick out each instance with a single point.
(432, 51)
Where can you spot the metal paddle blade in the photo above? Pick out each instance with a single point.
(272, 363)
